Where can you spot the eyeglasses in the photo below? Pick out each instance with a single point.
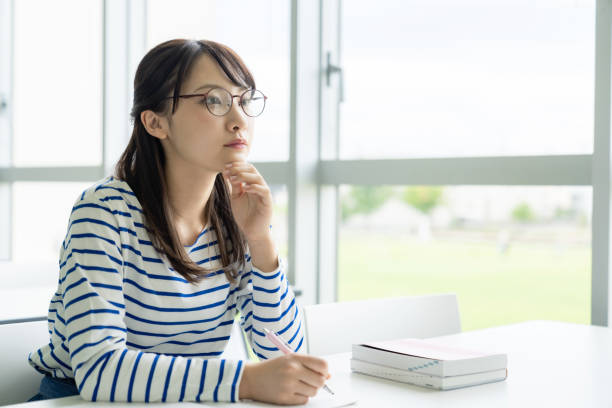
(219, 101)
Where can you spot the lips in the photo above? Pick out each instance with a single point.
(236, 143)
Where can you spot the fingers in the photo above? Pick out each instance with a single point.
(315, 364)
(234, 188)
(302, 376)
(312, 378)
(299, 399)
(243, 171)
(249, 178)
(259, 190)
(241, 166)
(244, 177)
(305, 389)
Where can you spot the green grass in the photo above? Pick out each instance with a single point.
(527, 282)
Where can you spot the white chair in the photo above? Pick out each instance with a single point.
(334, 327)
(18, 380)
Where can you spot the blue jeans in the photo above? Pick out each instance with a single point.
(55, 388)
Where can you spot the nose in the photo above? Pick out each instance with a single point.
(237, 119)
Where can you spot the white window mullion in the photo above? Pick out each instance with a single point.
(304, 150)
(600, 282)
(331, 89)
(6, 131)
(6, 80)
(116, 83)
(137, 31)
(5, 221)
(137, 46)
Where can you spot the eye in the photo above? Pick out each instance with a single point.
(213, 100)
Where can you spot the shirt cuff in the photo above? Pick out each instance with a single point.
(236, 389)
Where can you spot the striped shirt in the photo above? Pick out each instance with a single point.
(127, 327)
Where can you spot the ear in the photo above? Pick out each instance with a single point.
(155, 124)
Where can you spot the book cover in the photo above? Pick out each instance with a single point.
(425, 357)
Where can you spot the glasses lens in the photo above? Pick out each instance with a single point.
(219, 101)
(253, 102)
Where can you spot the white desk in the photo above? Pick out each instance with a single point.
(550, 364)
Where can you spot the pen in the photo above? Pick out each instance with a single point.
(284, 347)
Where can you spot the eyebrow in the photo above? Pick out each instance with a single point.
(214, 86)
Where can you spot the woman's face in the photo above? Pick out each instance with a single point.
(197, 137)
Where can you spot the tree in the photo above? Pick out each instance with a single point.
(364, 200)
(523, 213)
(423, 198)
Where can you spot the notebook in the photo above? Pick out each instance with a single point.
(424, 357)
(428, 381)
(321, 400)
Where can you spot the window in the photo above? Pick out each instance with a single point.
(59, 147)
(448, 79)
(433, 86)
(57, 83)
(54, 122)
(509, 253)
(500, 103)
(40, 218)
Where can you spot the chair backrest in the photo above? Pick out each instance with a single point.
(334, 327)
(236, 348)
(18, 380)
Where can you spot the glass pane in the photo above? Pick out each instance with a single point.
(40, 219)
(57, 83)
(259, 33)
(476, 78)
(509, 253)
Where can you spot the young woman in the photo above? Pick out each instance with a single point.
(160, 257)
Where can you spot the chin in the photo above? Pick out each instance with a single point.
(240, 155)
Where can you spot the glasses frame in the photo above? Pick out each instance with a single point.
(240, 103)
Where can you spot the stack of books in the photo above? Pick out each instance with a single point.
(427, 364)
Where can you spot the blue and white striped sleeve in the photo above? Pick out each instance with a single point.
(91, 280)
(265, 299)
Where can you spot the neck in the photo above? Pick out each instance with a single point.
(189, 189)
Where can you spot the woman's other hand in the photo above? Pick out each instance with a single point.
(289, 380)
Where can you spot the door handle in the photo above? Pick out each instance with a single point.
(334, 69)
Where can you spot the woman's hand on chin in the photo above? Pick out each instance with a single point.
(250, 198)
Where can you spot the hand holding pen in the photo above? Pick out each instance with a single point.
(286, 349)
(290, 379)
